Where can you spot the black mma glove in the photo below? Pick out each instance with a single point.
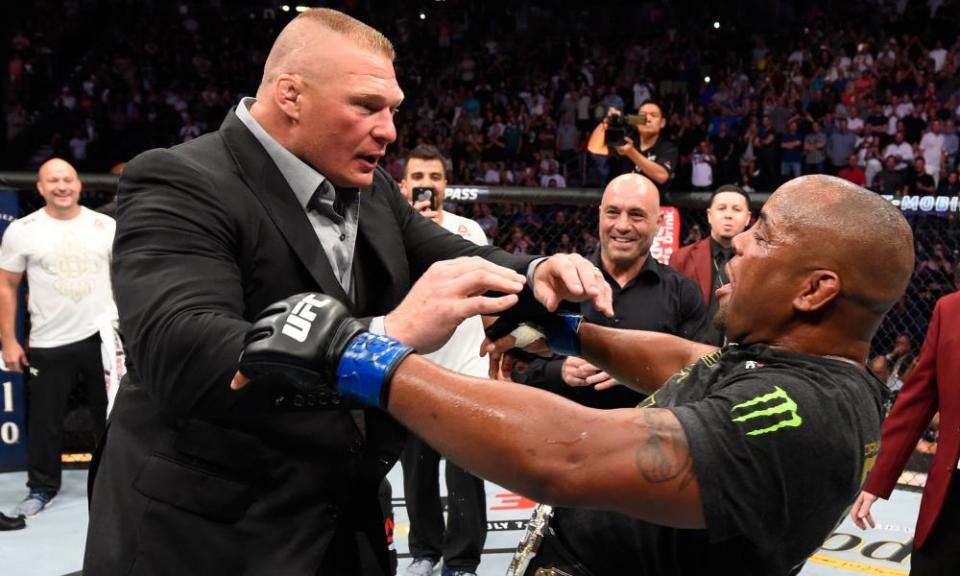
(560, 330)
(311, 340)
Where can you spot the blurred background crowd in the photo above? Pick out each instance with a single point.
(754, 93)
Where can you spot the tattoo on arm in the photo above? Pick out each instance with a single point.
(665, 456)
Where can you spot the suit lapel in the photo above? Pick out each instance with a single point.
(378, 226)
(269, 186)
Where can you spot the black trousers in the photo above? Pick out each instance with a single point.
(940, 553)
(53, 374)
(369, 566)
(461, 543)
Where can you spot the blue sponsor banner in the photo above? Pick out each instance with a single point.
(13, 401)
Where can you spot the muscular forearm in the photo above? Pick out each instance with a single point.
(596, 137)
(631, 461)
(639, 359)
(8, 313)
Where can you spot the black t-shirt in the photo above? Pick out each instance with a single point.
(781, 443)
(887, 182)
(878, 121)
(663, 152)
(913, 180)
(913, 129)
(722, 145)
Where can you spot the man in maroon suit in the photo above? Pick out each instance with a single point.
(703, 261)
(933, 385)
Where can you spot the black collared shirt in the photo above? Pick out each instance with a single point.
(658, 299)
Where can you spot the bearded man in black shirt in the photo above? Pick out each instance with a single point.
(742, 460)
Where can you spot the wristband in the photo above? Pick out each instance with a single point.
(366, 366)
(562, 332)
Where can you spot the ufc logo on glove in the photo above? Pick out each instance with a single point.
(301, 318)
(330, 350)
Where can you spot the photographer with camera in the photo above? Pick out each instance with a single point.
(460, 543)
(655, 157)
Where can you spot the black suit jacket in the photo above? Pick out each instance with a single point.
(193, 478)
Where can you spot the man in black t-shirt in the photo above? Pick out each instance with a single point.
(655, 157)
(743, 459)
(889, 181)
(917, 180)
(877, 123)
(744, 410)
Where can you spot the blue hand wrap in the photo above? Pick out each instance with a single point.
(562, 332)
(366, 367)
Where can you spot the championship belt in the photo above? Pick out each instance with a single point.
(527, 548)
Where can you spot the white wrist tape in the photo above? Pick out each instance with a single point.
(526, 335)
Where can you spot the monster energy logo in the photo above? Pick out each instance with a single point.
(778, 405)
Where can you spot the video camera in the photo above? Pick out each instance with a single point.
(616, 131)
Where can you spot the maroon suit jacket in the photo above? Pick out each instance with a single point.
(933, 384)
(696, 261)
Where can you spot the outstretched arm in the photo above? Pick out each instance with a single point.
(640, 359)
(633, 461)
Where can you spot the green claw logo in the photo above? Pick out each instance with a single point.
(776, 405)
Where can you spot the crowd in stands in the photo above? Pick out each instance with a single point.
(755, 94)
(511, 92)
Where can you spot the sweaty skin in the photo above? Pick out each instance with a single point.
(815, 274)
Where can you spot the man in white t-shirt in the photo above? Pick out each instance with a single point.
(460, 543)
(701, 166)
(854, 121)
(904, 108)
(931, 146)
(64, 250)
(939, 57)
(901, 150)
(551, 178)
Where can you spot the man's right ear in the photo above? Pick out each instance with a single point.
(287, 89)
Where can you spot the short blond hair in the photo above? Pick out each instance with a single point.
(361, 34)
(301, 33)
